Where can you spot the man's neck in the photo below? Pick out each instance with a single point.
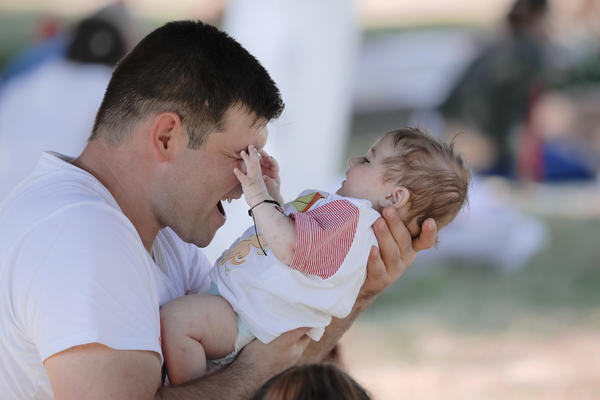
(126, 178)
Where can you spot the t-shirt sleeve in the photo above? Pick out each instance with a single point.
(323, 237)
(91, 283)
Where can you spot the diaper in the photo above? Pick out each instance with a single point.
(243, 338)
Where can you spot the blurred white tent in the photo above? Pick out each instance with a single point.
(309, 47)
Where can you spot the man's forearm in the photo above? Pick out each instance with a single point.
(237, 381)
(256, 363)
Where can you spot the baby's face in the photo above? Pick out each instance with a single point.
(364, 178)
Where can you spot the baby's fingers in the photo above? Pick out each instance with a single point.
(254, 158)
(266, 160)
(241, 176)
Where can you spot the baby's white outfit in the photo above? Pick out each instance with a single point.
(334, 238)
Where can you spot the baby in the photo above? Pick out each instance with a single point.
(304, 262)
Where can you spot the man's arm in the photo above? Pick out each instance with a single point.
(94, 371)
(385, 265)
(256, 363)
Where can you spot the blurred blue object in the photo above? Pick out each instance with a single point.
(560, 164)
(34, 56)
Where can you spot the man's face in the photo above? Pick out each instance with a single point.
(200, 179)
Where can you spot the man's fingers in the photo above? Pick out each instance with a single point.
(375, 263)
(391, 252)
(297, 336)
(297, 333)
(427, 237)
(399, 231)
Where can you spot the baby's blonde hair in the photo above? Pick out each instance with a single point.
(434, 174)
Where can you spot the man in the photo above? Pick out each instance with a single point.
(91, 247)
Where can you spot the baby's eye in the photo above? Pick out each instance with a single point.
(364, 160)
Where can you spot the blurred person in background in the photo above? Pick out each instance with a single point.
(52, 106)
(312, 381)
(494, 96)
(490, 112)
(567, 116)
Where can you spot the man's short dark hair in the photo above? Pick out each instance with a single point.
(192, 69)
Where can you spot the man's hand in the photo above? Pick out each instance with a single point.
(256, 363)
(396, 252)
(282, 353)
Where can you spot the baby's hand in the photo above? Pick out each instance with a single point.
(252, 181)
(270, 170)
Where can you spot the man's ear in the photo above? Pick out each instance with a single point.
(167, 136)
(398, 197)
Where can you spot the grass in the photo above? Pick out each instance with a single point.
(459, 330)
(559, 285)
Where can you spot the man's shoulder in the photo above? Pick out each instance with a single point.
(79, 229)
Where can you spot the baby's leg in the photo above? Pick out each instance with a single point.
(196, 328)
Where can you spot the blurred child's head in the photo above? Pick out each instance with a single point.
(420, 176)
(312, 381)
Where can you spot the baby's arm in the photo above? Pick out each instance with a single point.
(196, 328)
(277, 229)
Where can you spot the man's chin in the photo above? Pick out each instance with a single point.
(204, 240)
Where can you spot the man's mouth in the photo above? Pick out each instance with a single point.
(220, 208)
(220, 204)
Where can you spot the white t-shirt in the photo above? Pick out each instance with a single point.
(73, 270)
(334, 237)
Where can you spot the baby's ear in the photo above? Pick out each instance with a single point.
(399, 197)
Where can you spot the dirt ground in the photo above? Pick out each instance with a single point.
(437, 364)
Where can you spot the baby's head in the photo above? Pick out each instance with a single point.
(420, 176)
